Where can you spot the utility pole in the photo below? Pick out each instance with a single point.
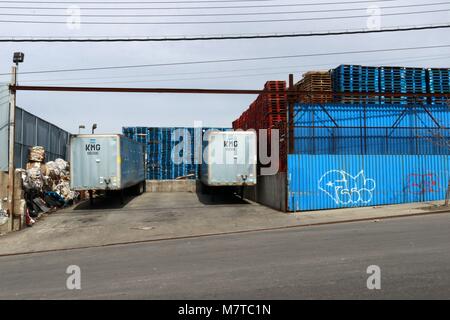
(17, 58)
(12, 120)
(447, 195)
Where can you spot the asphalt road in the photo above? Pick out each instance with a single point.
(324, 262)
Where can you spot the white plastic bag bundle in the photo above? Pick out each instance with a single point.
(36, 154)
(63, 189)
(35, 177)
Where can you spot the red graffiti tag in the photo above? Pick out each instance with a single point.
(423, 183)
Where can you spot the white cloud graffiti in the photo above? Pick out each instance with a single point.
(346, 189)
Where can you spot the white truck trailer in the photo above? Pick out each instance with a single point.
(106, 162)
(229, 160)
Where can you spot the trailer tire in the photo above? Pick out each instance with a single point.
(205, 189)
(122, 196)
(91, 198)
(139, 188)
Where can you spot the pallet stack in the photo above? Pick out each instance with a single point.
(274, 104)
(355, 78)
(268, 111)
(392, 81)
(315, 81)
(160, 143)
(438, 82)
(416, 82)
(402, 80)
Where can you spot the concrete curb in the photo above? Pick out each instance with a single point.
(230, 233)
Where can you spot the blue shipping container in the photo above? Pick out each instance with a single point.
(340, 181)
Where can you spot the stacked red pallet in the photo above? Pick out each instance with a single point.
(268, 111)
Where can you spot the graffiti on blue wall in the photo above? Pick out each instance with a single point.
(347, 189)
(337, 181)
(423, 183)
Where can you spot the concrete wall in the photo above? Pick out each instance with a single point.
(171, 185)
(269, 191)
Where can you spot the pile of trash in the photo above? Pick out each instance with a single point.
(46, 185)
(3, 212)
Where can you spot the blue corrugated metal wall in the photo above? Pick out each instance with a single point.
(370, 129)
(338, 181)
(160, 143)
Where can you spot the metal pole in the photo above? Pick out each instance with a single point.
(447, 195)
(12, 119)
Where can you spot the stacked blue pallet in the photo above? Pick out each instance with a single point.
(355, 78)
(438, 82)
(416, 82)
(170, 152)
(392, 80)
(402, 80)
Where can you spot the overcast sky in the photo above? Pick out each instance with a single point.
(111, 111)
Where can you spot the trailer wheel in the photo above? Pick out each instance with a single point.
(91, 198)
(122, 196)
(139, 188)
(205, 189)
(242, 192)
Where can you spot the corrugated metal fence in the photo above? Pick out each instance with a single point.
(363, 155)
(370, 129)
(337, 181)
(30, 131)
(33, 131)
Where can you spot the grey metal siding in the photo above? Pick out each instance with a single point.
(30, 131)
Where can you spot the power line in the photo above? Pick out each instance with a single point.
(132, 2)
(230, 37)
(218, 22)
(234, 60)
(204, 7)
(220, 14)
(279, 68)
(188, 79)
